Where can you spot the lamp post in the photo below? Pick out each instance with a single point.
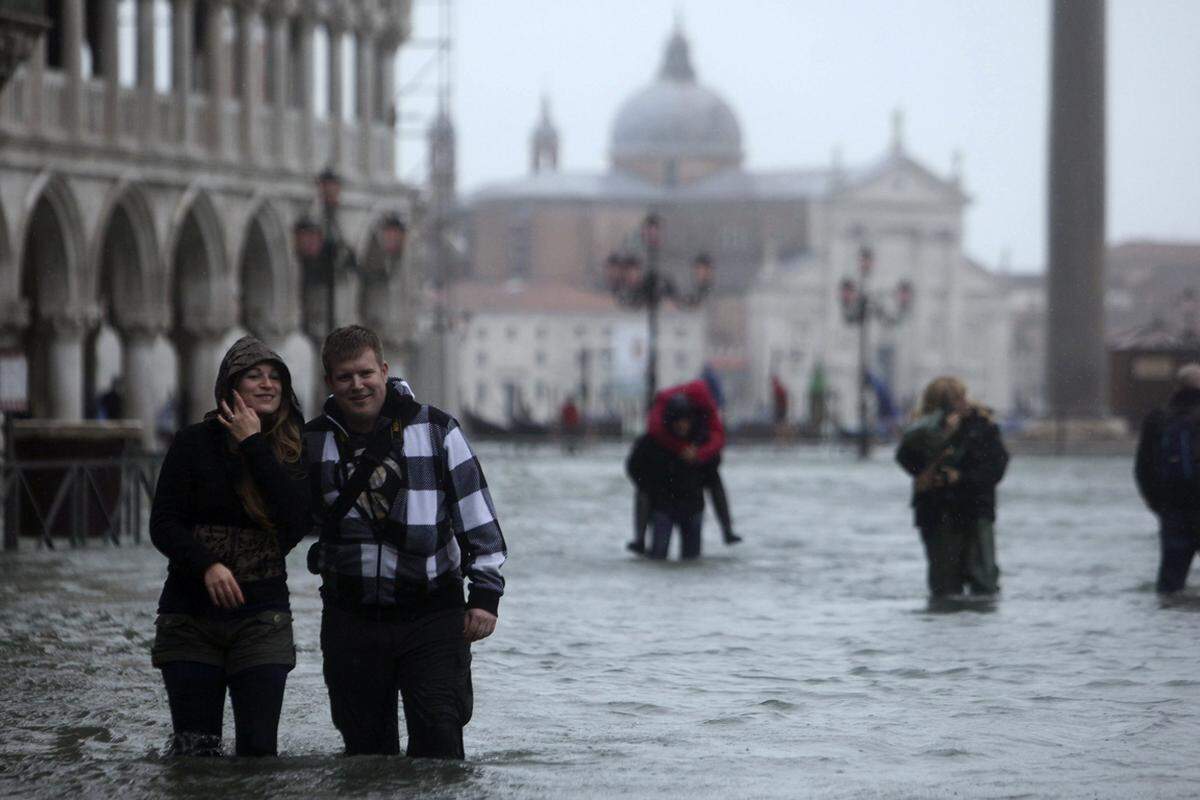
(323, 252)
(859, 306)
(637, 288)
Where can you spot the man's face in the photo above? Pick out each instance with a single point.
(682, 427)
(358, 386)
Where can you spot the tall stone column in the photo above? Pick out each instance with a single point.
(148, 107)
(137, 357)
(108, 63)
(72, 55)
(386, 58)
(216, 73)
(281, 66)
(64, 363)
(304, 87)
(181, 67)
(335, 75)
(365, 70)
(250, 79)
(37, 85)
(1076, 378)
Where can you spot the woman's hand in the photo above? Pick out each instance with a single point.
(222, 587)
(242, 421)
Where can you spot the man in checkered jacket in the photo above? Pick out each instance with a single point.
(392, 562)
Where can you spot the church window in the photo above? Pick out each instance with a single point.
(520, 246)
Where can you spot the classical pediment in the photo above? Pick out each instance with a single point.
(900, 179)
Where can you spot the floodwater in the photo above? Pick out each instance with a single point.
(805, 662)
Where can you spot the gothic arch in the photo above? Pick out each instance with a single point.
(198, 271)
(51, 245)
(127, 262)
(268, 281)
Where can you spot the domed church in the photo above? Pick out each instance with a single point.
(782, 240)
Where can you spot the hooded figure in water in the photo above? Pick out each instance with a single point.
(232, 500)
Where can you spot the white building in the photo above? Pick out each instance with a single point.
(958, 321)
(520, 350)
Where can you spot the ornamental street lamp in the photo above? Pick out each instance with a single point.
(324, 253)
(859, 307)
(635, 287)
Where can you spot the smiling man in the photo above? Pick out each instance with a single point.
(403, 514)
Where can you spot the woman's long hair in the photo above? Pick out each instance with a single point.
(282, 430)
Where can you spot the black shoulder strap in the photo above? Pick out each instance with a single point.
(376, 451)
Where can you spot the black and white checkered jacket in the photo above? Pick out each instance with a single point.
(424, 521)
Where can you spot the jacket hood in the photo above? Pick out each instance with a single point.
(398, 395)
(241, 356)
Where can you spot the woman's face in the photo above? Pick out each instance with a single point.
(261, 388)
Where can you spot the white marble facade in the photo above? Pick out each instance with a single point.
(145, 224)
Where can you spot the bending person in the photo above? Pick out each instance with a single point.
(956, 457)
(231, 502)
(702, 447)
(673, 486)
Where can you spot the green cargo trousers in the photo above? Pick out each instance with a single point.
(961, 554)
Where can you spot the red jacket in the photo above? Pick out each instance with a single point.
(705, 408)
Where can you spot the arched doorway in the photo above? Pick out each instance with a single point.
(270, 296)
(205, 309)
(129, 369)
(53, 340)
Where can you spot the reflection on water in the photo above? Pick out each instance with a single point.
(805, 662)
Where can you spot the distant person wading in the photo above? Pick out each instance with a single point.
(956, 457)
(1168, 476)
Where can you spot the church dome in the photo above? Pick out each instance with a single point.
(676, 120)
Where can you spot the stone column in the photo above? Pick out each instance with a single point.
(304, 87)
(1075, 355)
(251, 80)
(137, 357)
(148, 108)
(281, 66)
(108, 63)
(386, 56)
(337, 41)
(37, 85)
(64, 363)
(72, 46)
(216, 74)
(365, 69)
(199, 358)
(181, 67)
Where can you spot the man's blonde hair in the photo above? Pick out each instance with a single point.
(347, 343)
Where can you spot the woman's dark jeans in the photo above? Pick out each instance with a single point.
(197, 696)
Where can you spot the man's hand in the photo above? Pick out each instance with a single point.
(241, 421)
(689, 453)
(223, 588)
(478, 624)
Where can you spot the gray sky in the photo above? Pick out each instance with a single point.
(805, 76)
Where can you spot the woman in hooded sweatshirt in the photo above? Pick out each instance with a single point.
(231, 501)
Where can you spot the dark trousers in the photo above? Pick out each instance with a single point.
(196, 693)
(961, 554)
(425, 661)
(1179, 536)
(689, 531)
(716, 490)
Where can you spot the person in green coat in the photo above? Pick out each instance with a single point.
(956, 457)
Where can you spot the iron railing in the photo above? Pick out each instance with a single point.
(75, 501)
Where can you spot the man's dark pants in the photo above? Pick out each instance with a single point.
(368, 663)
(689, 531)
(1179, 537)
